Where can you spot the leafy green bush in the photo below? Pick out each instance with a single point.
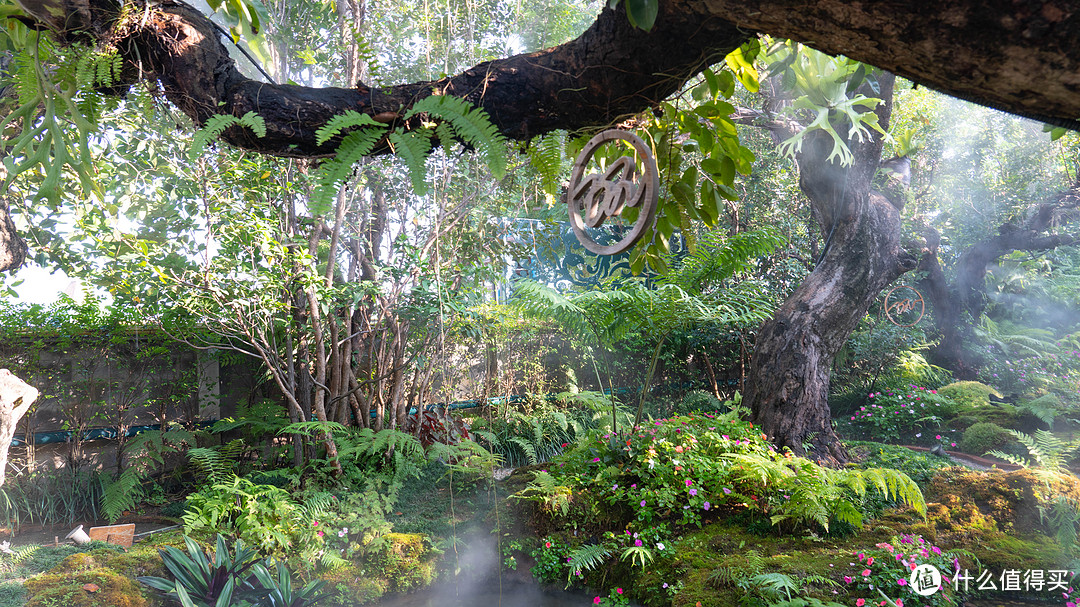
(982, 437)
(263, 515)
(969, 395)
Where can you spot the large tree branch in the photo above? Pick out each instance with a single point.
(1020, 57)
(610, 71)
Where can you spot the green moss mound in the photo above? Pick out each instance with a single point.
(969, 395)
(982, 437)
(83, 580)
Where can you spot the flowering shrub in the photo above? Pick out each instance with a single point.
(1057, 372)
(901, 412)
(882, 576)
(686, 469)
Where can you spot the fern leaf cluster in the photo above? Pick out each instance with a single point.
(120, 493)
(586, 558)
(1047, 451)
(216, 125)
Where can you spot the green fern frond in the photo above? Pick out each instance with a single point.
(120, 493)
(216, 125)
(1046, 450)
(528, 448)
(546, 156)
(775, 584)
(347, 120)
(335, 171)
(471, 124)
(215, 468)
(413, 148)
(586, 558)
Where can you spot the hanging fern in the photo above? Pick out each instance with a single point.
(413, 147)
(546, 156)
(470, 124)
(216, 125)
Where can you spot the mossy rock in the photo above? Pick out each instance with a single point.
(961, 500)
(80, 581)
(347, 586)
(406, 561)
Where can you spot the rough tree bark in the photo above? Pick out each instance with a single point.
(965, 298)
(794, 351)
(16, 396)
(1020, 57)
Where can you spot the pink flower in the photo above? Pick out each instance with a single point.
(320, 533)
(866, 573)
(869, 561)
(847, 579)
(899, 602)
(596, 601)
(636, 543)
(938, 437)
(689, 482)
(860, 602)
(618, 590)
(902, 582)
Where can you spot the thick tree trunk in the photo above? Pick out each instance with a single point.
(16, 396)
(788, 387)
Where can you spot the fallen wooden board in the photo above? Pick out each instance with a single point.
(121, 535)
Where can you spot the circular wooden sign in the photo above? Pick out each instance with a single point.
(595, 198)
(902, 304)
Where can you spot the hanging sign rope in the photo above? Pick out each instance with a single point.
(904, 306)
(595, 198)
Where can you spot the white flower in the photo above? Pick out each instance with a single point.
(659, 545)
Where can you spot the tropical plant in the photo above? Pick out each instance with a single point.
(229, 578)
(200, 580)
(1048, 452)
(278, 589)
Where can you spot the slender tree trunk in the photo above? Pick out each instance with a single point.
(788, 387)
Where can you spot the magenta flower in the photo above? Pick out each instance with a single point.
(689, 482)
